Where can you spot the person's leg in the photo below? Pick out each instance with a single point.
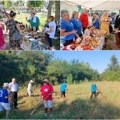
(91, 95)
(7, 113)
(61, 94)
(50, 43)
(11, 100)
(117, 38)
(95, 95)
(64, 94)
(15, 99)
(45, 107)
(50, 105)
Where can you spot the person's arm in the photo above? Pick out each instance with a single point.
(38, 22)
(63, 33)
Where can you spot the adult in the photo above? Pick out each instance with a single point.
(77, 23)
(34, 21)
(5, 102)
(63, 88)
(50, 30)
(2, 41)
(93, 90)
(13, 86)
(46, 91)
(30, 88)
(67, 31)
(95, 21)
(84, 19)
(117, 27)
(14, 34)
(105, 22)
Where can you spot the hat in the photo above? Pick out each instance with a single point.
(12, 13)
(31, 81)
(5, 85)
(46, 80)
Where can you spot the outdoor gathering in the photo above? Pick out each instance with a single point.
(29, 25)
(90, 25)
(51, 85)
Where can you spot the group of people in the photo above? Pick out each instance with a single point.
(74, 27)
(9, 94)
(14, 28)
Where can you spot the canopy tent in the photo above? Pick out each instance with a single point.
(95, 4)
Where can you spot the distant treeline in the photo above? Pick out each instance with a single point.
(37, 66)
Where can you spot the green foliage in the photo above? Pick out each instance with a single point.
(7, 3)
(112, 73)
(35, 3)
(69, 78)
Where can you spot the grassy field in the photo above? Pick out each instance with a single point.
(75, 106)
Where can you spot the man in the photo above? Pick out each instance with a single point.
(13, 86)
(30, 89)
(63, 89)
(84, 19)
(34, 21)
(5, 103)
(93, 90)
(46, 91)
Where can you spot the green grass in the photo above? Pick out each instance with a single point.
(76, 105)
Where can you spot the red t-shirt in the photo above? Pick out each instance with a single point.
(84, 20)
(46, 90)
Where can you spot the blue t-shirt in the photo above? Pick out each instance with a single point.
(96, 24)
(4, 94)
(68, 27)
(63, 87)
(77, 25)
(0, 95)
(93, 88)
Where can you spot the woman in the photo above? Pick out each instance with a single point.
(2, 41)
(95, 21)
(76, 22)
(104, 23)
(67, 31)
(34, 21)
(50, 30)
(14, 34)
(117, 29)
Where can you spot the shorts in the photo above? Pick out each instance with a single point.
(1, 108)
(29, 92)
(47, 103)
(6, 106)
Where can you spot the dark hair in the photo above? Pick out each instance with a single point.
(52, 18)
(12, 14)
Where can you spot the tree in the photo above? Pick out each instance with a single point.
(57, 10)
(7, 3)
(35, 3)
(50, 7)
(114, 65)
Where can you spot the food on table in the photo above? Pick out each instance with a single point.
(78, 48)
(78, 40)
(86, 47)
(73, 47)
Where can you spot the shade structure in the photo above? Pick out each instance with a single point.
(96, 4)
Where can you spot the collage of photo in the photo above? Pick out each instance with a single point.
(59, 59)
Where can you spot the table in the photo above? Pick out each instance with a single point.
(100, 47)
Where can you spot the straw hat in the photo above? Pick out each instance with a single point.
(31, 81)
(46, 80)
(5, 85)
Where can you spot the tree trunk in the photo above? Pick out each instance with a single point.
(57, 10)
(50, 8)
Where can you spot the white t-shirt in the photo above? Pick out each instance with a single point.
(53, 25)
(29, 86)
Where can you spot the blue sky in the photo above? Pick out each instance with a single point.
(97, 59)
